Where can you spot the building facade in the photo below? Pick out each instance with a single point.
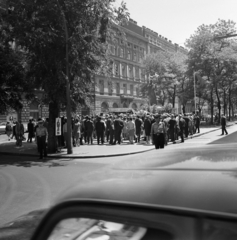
(122, 89)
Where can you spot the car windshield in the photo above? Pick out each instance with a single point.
(124, 101)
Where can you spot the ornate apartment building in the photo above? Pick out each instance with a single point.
(121, 90)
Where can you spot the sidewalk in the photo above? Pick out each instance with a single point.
(87, 151)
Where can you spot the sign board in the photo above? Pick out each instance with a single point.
(58, 123)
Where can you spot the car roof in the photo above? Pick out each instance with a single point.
(190, 183)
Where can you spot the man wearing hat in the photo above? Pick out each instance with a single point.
(42, 137)
(118, 126)
(158, 131)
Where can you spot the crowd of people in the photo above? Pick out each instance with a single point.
(156, 129)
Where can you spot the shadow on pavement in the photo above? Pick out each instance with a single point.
(22, 161)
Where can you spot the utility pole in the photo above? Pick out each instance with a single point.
(69, 120)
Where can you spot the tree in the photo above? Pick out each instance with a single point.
(13, 83)
(213, 58)
(39, 27)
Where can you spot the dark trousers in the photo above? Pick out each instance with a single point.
(117, 136)
(107, 135)
(100, 136)
(186, 131)
(138, 133)
(172, 135)
(223, 130)
(111, 137)
(19, 140)
(181, 134)
(197, 128)
(159, 140)
(41, 141)
(89, 137)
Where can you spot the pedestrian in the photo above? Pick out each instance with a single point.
(158, 133)
(111, 131)
(100, 130)
(172, 128)
(30, 127)
(89, 130)
(186, 128)
(65, 133)
(190, 125)
(108, 123)
(118, 127)
(147, 128)
(14, 130)
(76, 134)
(19, 133)
(131, 130)
(139, 125)
(8, 130)
(42, 138)
(223, 124)
(197, 123)
(181, 127)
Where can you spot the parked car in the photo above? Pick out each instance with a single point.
(3, 127)
(145, 199)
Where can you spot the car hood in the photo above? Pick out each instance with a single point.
(195, 183)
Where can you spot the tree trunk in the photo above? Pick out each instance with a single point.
(212, 107)
(224, 98)
(219, 106)
(53, 114)
(230, 103)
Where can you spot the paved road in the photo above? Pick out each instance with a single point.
(27, 184)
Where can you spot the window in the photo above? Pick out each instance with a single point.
(129, 54)
(116, 69)
(137, 91)
(131, 90)
(110, 87)
(117, 89)
(113, 49)
(125, 88)
(137, 73)
(121, 52)
(123, 71)
(134, 56)
(101, 87)
(130, 72)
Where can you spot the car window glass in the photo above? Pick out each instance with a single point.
(88, 229)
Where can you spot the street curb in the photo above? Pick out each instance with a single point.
(101, 156)
(76, 156)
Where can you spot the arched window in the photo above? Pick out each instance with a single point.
(115, 105)
(104, 107)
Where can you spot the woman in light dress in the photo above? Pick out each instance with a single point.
(131, 130)
(77, 133)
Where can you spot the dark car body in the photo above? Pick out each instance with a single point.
(185, 195)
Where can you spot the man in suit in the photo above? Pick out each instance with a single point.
(118, 127)
(138, 125)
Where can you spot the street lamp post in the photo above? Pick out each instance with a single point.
(194, 86)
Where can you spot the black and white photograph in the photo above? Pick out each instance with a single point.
(118, 119)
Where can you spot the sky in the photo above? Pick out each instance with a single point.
(177, 20)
